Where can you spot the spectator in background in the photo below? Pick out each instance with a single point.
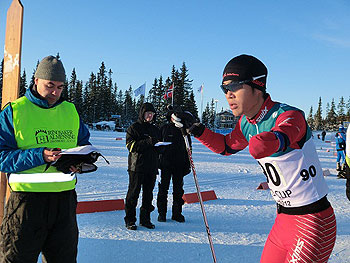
(174, 164)
(323, 135)
(340, 140)
(347, 162)
(141, 137)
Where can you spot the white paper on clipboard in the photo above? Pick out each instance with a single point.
(162, 143)
(80, 150)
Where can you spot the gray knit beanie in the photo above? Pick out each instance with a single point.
(50, 68)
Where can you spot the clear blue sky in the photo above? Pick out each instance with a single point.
(304, 44)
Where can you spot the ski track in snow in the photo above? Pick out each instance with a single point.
(239, 220)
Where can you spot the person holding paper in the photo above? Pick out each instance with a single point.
(40, 215)
(174, 164)
(141, 138)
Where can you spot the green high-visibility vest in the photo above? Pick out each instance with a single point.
(36, 127)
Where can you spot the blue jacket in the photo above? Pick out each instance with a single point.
(14, 160)
(340, 141)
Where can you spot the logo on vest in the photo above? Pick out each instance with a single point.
(41, 136)
(48, 136)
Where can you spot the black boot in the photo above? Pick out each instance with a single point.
(145, 219)
(338, 167)
(131, 226)
(177, 216)
(148, 225)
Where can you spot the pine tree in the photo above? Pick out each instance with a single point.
(328, 107)
(120, 102)
(112, 91)
(318, 116)
(160, 104)
(78, 99)
(310, 119)
(341, 110)
(211, 115)
(348, 109)
(102, 93)
(23, 84)
(89, 99)
(206, 116)
(152, 94)
(187, 87)
(72, 86)
(331, 118)
(130, 114)
(192, 106)
(31, 83)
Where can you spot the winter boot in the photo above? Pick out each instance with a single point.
(145, 219)
(177, 216)
(162, 217)
(131, 226)
(338, 167)
(148, 225)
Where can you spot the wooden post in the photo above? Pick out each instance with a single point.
(11, 73)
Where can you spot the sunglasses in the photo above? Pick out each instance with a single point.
(234, 86)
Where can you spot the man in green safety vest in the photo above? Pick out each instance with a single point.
(40, 215)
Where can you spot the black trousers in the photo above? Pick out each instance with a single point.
(136, 182)
(177, 178)
(39, 222)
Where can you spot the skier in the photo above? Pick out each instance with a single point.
(40, 215)
(340, 140)
(174, 164)
(280, 140)
(323, 135)
(141, 137)
(347, 163)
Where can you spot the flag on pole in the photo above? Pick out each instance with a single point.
(140, 90)
(200, 89)
(169, 93)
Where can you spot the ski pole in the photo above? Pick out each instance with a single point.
(199, 195)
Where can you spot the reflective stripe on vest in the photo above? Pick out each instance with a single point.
(36, 127)
(51, 182)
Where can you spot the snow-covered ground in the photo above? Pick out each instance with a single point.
(239, 220)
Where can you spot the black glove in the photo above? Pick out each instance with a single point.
(83, 162)
(187, 122)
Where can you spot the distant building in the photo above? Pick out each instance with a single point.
(226, 120)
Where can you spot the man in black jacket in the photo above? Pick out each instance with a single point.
(174, 164)
(141, 137)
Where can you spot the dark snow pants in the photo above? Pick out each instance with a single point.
(39, 222)
(178, 191)
(136, 181)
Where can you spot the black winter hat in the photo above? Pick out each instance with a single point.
(246, 69)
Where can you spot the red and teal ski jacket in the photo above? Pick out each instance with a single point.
(280, 140)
